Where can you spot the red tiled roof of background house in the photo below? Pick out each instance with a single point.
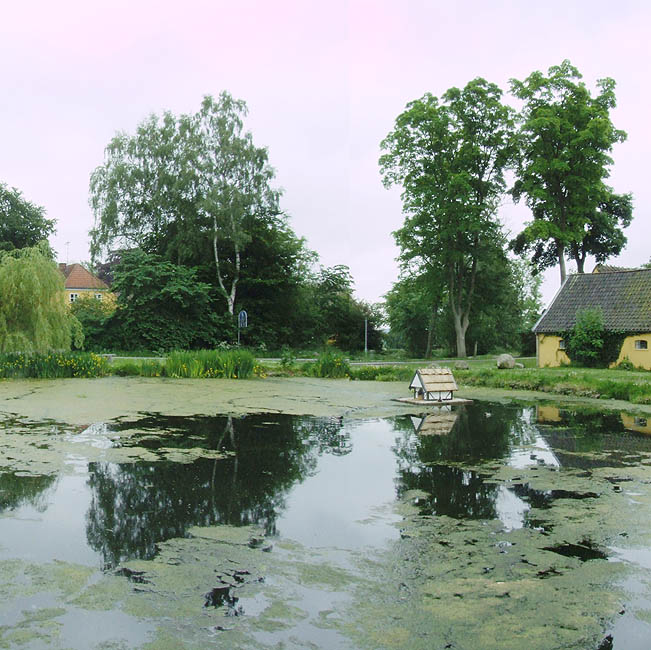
(77, 277)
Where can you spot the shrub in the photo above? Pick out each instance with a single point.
(589, 344)
(287, 359)
(126, 369)
(52, 365)
(329, 363)
(381, 373)
(231, 364)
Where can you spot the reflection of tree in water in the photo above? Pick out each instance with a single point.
(430, 463)
(17, 491)
(134, 506)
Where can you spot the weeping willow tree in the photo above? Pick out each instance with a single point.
(33, 314)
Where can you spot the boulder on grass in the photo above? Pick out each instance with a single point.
(461, 365)
(505, 361)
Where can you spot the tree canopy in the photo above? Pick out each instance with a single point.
(22, 223)
(161, 306)
(565, 139)
(182, 186)
(450, 157)
(33, 312)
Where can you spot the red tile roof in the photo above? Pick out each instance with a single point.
(77, 277)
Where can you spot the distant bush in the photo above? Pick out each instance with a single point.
(330, 364)
(382, 373)
(52, 365)
(126, 369)
(231, 364)
(589, 344)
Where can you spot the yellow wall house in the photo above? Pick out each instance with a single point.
(624, 297)
(81, 282)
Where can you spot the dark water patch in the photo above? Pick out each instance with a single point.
(541, 525)
(222, 596)
(545, 498)
(584, 550)
(17, 490)
(131, 575)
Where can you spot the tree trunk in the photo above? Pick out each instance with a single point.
(430, 332)
(561, 261)
(460, 328)
(229, 295)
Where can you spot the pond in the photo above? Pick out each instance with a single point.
(478, 526)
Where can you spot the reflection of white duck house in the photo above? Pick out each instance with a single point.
(439, 424)
(433, 385)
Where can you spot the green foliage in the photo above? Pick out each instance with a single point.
(287, 359)
(449, 157)
(330, 364)
(52, 365)
(230, 364)
(186, 186)
(152, 369)
(126, 369)
(33, 313)
(93, 315)
(22, 224)
(589, 382)
(381, 373)
(584, 342)
(589, 344)
(565, 137)
(160, 306)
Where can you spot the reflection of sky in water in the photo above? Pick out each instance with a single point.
(530, 449)
(511, 509)
(56, 530)
(346, 491)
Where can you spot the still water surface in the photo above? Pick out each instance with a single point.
(325, 483)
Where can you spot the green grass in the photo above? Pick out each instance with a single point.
(231, 364)
(633, 387)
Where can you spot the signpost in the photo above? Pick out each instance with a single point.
(242, 323)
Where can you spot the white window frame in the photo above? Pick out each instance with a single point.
(74, 297)
(641, 344)
(561, 344)
(98, 296)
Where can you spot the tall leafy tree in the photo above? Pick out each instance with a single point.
(22, 223)
(414, 307)
(161, 306)
(33, 313)
(566, 137)
(182, 186)
(450, 156)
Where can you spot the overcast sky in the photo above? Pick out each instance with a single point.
(324, 82)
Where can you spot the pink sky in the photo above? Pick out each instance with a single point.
(324, 83)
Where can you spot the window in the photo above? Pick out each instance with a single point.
(98, 296)
(561, 344)
(641, 344)
(73, 297)
(640, 422)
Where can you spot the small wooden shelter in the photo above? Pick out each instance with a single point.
(433, 385)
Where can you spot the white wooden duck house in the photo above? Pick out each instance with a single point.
(433, 385)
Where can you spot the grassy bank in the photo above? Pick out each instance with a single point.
(632, 387)
(230, 364)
